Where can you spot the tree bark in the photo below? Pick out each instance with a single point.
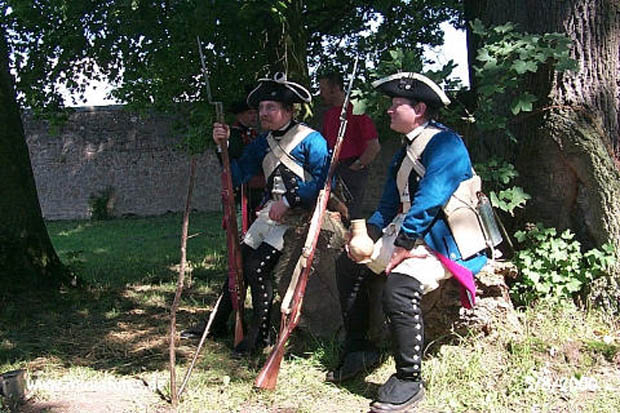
(27, 257)
(569, 147)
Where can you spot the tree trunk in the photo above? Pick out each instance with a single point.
(569, 148)
(27, 257)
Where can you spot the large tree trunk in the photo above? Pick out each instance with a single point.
(27, 257)
(568, 150)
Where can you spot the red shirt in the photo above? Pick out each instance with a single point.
(360, 130)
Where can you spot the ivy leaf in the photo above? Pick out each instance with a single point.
(521, 66)
(520, 236)
(508, 27)
(523, 103)
(488, 90)
(477, 27)
(483, 55)
(573, 286)
(512, 199)
(491, 64)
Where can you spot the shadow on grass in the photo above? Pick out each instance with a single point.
(117, 330)
(118, 322)
(119, 319)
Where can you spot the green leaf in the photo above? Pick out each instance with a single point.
(523, 103)
(521, 66)
(508, 27)
(483, 55)
(573, 286)
(477, 27)
(489, 90)
(520, 236)
(491, 64)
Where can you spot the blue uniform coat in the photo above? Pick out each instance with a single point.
(447, 164)
(311, 153)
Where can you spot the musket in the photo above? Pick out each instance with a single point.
(293, 299)
(235, 268)
(235, 274)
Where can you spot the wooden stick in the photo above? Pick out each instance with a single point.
(180, 280)
(200, 344)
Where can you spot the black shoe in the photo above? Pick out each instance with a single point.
(252, 343)
(353, 364)
(397, 395)
(243, 349)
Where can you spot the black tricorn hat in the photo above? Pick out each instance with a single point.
(412, 86)
(280, 90)
(239, 106)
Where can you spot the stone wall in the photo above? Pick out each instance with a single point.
(110, 148)
(136, 157)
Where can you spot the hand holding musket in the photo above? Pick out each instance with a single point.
(221, 133)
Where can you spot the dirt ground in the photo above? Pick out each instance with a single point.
(94, 396)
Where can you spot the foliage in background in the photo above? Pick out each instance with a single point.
(503, 63)
(496, 175)
(148, 49)
(553, 266)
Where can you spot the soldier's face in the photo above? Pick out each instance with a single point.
(327, 92)
(248, 117)
(273, 115)
(405, 115)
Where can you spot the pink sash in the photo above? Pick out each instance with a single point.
(464, 277)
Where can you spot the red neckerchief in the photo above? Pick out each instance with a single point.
(247, 134)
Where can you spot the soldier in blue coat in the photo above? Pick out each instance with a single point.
(294, 159)
(412, 234)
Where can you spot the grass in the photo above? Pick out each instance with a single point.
(108, 339)
(137, 250)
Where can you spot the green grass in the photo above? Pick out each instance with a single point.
(114, 328)
(133, 250)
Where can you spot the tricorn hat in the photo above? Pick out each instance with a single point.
(412, 86)
(280, 90)
(239, 106)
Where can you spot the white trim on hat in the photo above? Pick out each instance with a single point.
(416, 76)
(280, 77)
